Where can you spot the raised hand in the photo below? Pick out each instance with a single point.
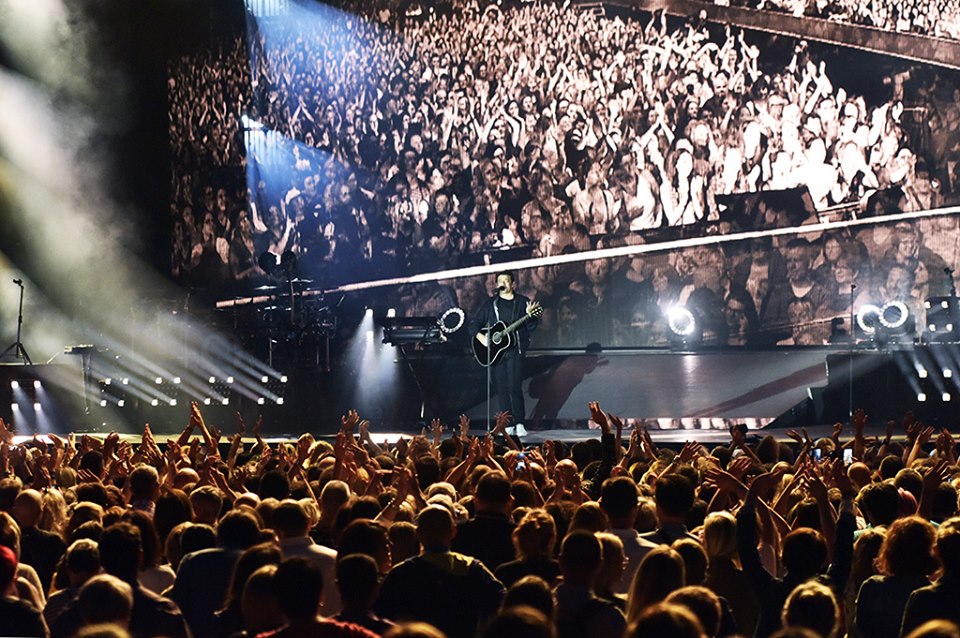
(841, 480)
(598, 417)
(464, 426)
(763, 483)
(936, 475)
(859, 421)
(437, 428)
(349, 422)
(837, 431)
(924, 435)
(501, 421)
(739, 467)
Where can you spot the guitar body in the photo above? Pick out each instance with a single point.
(500, 341)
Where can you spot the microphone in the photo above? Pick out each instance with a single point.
(18, 281)
(501, 288)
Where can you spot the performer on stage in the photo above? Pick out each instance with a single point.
(515, 317)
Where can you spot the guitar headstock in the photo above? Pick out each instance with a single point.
(534, 309)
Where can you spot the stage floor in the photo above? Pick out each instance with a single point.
(659, 384)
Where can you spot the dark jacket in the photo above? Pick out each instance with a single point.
(496, 309)
(452, 592)
(488, 538)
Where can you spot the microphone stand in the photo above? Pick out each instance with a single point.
(489, 373)
(489, 358)
(850, 362)
(19, 352)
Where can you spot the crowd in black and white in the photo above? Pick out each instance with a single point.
(381, 143)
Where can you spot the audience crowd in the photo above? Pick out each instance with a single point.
(939, 19)
(461, 535)
(383, 143)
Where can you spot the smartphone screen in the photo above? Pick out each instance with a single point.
(848, 456)
(817, 454)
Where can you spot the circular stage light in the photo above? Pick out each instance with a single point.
(894, 315)
(681, 321)
(451, 320)
(868, 318)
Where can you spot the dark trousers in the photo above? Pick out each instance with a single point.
(507, 377)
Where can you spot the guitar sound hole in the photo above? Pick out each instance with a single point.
(497, 338)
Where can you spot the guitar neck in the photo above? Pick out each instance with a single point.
(516, 324)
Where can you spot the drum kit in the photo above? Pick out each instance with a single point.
(294, 322)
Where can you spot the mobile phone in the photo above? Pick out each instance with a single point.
(816, 454)
(521, 461)
(848, 456)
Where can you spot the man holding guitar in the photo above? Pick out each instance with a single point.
(501, 331)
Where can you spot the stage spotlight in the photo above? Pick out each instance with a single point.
(155, 402)
(368, 313)
(37, 407)
(922, 372)
(207, 401)
(451, 320)
(941, 321)
(264, 379)
(225, 401)
(279, 400)
(103, 403)
(921, 396)
(14, 407)
(283, 378)
(946, 396)
(14, 385)
(159, 380)
(107, 381)
(36, 384)
(229, 379)
(212, 380)
(173, 402)
(391, 313)
(681, 321)
(947, 373)
(121, 403)
(685, 328)
(126, 381)
(894, 315)
(176, 380)
(868, 318)
(261, 401)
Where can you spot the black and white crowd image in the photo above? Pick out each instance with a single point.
(380, 141)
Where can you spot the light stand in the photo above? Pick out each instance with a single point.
(19, 352)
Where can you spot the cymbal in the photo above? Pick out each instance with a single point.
(265, 288)
(298, 280)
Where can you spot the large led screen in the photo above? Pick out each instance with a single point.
(378, 141)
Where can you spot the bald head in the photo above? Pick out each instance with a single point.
(27, 508)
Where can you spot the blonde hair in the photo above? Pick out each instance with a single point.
(720, 536)
(535, 534)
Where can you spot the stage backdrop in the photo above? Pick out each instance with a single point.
(377, 141)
